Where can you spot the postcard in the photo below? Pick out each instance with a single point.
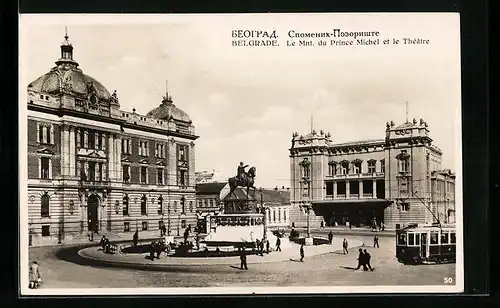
(240, 154)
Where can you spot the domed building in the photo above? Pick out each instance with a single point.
(96, 169)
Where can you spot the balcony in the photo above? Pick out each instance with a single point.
(95, 184)
(357, 176)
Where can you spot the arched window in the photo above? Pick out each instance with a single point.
(125, 205)
(45, 205)
(144, 201)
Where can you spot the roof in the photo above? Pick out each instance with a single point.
(209, 188)
(359, 143)
(357, 201)
(167, 111)
(272, 195)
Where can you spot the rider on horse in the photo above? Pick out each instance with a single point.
(241, 174)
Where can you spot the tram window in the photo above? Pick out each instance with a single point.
(444, 238)
(411, 239)
(402, 239)
(417, 239)
(453, 238)
(434, 238)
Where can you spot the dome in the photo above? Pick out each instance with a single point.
(67, 77)
(71, 78)
(167, 110)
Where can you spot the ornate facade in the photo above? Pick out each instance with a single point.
(93, 168)
(365, 182)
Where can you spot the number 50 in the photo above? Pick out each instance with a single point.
(448, 280)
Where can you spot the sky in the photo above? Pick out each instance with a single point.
(246, 102)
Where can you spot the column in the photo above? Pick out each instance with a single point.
(374, 189)
(85, 138)
(347, 189)
(66, 152)
(360, 189)
(72, 151)
(334, 189)
(111, 168)
(63, 151)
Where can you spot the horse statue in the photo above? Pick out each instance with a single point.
(247, 181)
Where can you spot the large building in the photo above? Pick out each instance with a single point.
(395, 180)
(95, 168)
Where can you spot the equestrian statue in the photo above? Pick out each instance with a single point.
(242, 179)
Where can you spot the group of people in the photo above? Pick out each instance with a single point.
(364, 260)
(156, 248)
(105, 244)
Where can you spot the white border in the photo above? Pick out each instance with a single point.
(70, 19)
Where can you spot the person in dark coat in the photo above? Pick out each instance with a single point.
(267, 247)
(135, 238)
(302, 253)
(345, 246)
(261, 248)
(278, 244)
(243, 259)
(330, 237)
(375, 241)
(103, 242)
(367, 260)
(361, 261)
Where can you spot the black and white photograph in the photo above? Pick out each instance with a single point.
(240, 153)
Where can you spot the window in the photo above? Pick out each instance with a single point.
(200, 203)
(403, 166)
(382, 165)
(125, 205)
(434, 237)
(45, 230)
(143, 148)
(144, 201)
(175, 206)
(444, 238)
(402, 239)
(182, 178)
(144, 226)
(183, 223)
(92, 138)
(417, 239)
(126, 226)
(211, 203)
(92, 170)
(405, 207)
(45, 209)
(45, 134)
(126, 146)
(160, 176)
(160, 206)
(190, 206)
(45, 168)
(274, 215)
(284, 215)
(279, 215)
(453, 238)
(159, 151)
(126, 173)
(182, 154)
(206, 203)
(371, 166)
(144, 174)
(332, 168)
(411, 239)
(357, 167)
(344, 168)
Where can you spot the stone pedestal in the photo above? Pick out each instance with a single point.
(308, 241)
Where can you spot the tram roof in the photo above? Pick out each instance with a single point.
(429, 227)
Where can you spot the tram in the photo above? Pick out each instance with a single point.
(426, 244)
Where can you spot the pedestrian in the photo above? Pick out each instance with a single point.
(361, 261)
(293, 224)
(382, 225)
(267, 247)
(243, 259)
(302, 253)
(345, 246)
(322, 225)
(278, 244)
(103, 242)
(261, 248)
(135, 238)
(350, 225)
(34, 275)
(375, 241)
(367, 258)
(330, 237)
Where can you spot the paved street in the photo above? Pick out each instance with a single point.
(331, 269)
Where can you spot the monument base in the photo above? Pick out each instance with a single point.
(308, 241)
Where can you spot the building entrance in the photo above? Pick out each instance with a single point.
(354, 214)
(92, 212)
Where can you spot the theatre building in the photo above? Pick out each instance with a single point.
(396, 180)
(95, 169)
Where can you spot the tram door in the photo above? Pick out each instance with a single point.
(423, 245)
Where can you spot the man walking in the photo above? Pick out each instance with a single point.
(302, 253)
(278, 244)
(375, 241)
(267, 246)
(330, 237)
(345, 246)
(243, 259)
(367, 258)
(361, 260)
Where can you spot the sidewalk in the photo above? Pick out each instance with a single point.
(346, 231)
(93, 254)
